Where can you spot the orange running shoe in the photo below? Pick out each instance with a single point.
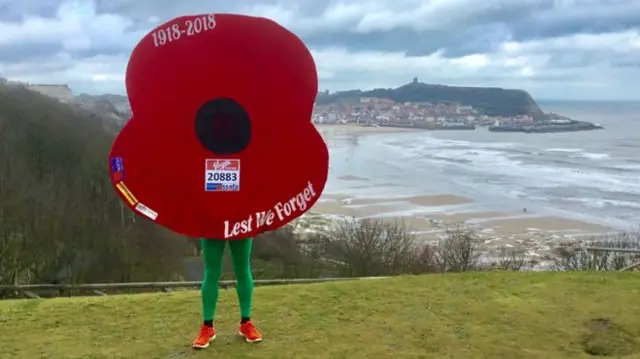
(206, 336)
(249, 332)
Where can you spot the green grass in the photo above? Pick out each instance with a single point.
(475, 315)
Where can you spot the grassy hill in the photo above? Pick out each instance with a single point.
(60, 219)
(473, 315)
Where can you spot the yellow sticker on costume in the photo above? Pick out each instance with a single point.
(146, 211)
(126, 193)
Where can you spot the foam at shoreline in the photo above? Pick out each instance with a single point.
(396, 177)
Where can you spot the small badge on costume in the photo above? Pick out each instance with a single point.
(222, 175)
(126, 193)
(117, 168)
(146, 211)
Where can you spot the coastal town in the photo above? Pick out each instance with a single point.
(379, 111)
(437, 116)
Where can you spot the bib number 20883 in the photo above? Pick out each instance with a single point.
(222, 175)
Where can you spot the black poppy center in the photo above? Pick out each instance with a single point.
(223, 126)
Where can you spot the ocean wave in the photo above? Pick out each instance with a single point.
(590, 183)
(622, 168)
(564, 150)
(509, 167)
(629, 143)
(428, 141)
(592, 156)
(604, 203)
(460, 156)
(580, 153)
(629, 165)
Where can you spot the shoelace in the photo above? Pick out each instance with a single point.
(204, 332)
(251, 329)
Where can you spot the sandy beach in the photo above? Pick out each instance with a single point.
(371, 207)
(430, 215)
(548, 224)
(532, 234)
(355, 129)
(499, 222)
(506, 223)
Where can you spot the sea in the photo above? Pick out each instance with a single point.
(592, 176)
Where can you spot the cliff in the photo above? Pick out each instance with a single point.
(113, 111)
(120, 102)
(489, 100)
(60, 219)
(113, 108)
(62, 93)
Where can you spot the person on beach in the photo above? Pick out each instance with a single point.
(212, 253)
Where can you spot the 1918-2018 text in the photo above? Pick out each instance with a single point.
(190, 27)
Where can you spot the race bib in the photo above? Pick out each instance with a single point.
(222, 175)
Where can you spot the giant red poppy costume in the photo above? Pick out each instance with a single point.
(221, 143)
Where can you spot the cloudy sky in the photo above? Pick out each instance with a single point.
(556, 49)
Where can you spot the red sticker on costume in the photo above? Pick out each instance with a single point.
(221, 143)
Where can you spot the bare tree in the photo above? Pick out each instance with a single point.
(370, 247)
(458, 251)
(571, 256)
(510, 258)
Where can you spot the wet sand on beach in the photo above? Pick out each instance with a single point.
(355, 129)
(423, 200)
(496, 222)
(429, 216)
(548, 224)
(353, 178)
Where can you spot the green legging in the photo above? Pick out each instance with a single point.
(212, 251)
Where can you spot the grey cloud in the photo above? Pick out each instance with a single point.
(477, 31)
(454, 44)
(16, 10)
(550, 23)
(519, 21)
(35, 66)
(467, 27)
(104, 51)
(463, 41)
(577, 60)
(27, 52)
(21, 52)
(627, 63)
(479, 26)
(167, 9)
(139, 11)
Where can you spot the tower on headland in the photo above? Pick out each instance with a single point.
(415, 80)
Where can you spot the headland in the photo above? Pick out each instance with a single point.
(438, 107)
